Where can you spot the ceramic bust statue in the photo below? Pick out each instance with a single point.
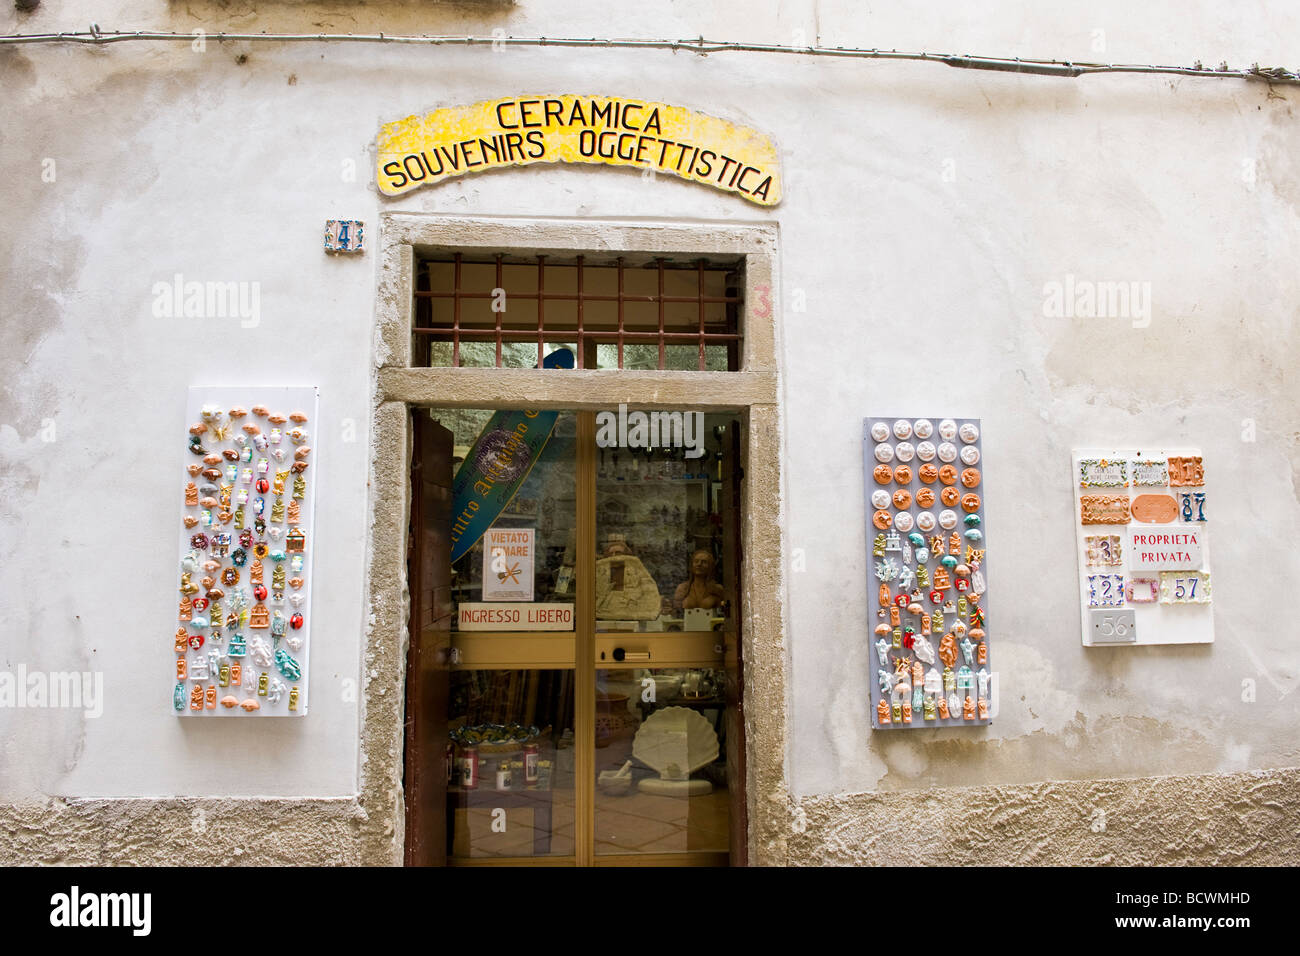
(701, 590)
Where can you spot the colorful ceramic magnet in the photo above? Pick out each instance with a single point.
(1142, 590)
(260, 650)
(1103, 473)
(1186, 471)
(948, 649)
(1150, 472)
(289, 667)
(1104, 509)
(1153, 509)
(878, 547)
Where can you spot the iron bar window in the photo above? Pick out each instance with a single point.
(613, 312)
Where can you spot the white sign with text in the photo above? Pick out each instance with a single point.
(1174, 548)
(508, 564)
(487, 616)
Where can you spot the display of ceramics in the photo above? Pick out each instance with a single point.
(250, 506)
(625, 590)
(1143, 546)
(927, 588)
(616, 782)
(675, 742)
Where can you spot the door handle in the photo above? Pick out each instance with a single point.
(622, 655)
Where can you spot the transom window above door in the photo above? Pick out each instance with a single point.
(634, 312)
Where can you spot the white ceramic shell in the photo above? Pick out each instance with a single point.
(675, 741)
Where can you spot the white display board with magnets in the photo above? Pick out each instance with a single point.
(269, 438)
(1144, 554)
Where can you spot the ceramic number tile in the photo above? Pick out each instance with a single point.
(1104, 550)
(344, 235)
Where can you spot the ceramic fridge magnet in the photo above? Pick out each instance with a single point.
(1142, 530)
(224, 627)
(928, 606)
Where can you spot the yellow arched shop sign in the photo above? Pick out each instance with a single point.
(609, 130)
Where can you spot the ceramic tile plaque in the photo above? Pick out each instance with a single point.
(1141, 520)
(926, 578)
(244, 503)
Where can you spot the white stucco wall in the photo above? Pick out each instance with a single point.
(924, 208)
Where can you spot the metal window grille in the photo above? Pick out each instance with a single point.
(619, 312)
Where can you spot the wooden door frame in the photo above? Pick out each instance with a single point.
(428, 654)
(753, 392)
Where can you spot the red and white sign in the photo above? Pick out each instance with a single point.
(1164, 549)
(492, 616)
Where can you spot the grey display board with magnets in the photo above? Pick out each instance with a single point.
(927, 595)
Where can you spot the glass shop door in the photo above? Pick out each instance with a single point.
(668, 744)
(573, 691)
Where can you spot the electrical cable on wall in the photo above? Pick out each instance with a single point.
(1026, 65)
